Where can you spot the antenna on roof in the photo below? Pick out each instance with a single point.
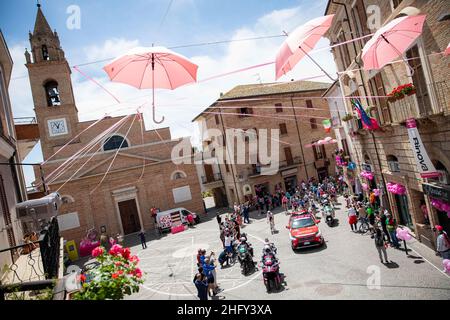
(38, 4)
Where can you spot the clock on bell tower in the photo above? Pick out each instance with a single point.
(51, 87)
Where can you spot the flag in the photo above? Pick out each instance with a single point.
(368, 122)
(327, 125)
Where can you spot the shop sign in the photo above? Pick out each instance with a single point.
(436, 192)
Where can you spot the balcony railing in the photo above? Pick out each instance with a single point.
(216, 177)
(256, 169)
(25, 120)
(421, 106)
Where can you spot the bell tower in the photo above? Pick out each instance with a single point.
(51, 87)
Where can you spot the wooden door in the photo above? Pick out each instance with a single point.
(129, 216)
(288, 154)
(209, 173)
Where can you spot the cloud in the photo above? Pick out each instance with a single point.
(110, 48)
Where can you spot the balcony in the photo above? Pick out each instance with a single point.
(213, 181)
(417, 107)
(282, 165)
(27, 132)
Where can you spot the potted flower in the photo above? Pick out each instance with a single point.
(116, 275)
(409, 89)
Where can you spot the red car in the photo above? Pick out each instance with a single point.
(304, 231)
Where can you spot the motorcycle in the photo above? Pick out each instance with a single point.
(245, 259)
(271, 274)
(329, 215)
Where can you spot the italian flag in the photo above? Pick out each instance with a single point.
(327, 125)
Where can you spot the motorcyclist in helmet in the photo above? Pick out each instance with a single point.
(243, 241)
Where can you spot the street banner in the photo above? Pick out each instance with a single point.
(424, 164)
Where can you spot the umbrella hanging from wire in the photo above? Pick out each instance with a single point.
(391, 41)
(301, 41)
(150, 68)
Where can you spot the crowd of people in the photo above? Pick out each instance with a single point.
(305, 196)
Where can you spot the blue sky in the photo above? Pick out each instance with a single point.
(110, 28)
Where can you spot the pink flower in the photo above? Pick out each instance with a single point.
(98, 252)
(134, 259)
(115, 250)
(138, 273)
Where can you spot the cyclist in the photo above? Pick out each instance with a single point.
(271, 221)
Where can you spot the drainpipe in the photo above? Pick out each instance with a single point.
(231, 165)
(299, 139)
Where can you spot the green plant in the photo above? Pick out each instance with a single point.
(116, 276)
(206, 194)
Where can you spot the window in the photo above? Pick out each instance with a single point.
(422, 95)
(6, 214)
(52, 93)
(278, 107)
(227, 168)
(217, 119)
(313, 123)
(376, 87)
(176, 175)
(393, 163)
(244, 112)
(395, 4)
(283, 128)
(45, 55)
(67, 199)
(444, 177)
(115, 142)
(359, 17)
(288, 156)
(344, 52)
(309, 104)
(319, 152)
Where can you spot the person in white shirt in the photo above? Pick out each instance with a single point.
(442, 243)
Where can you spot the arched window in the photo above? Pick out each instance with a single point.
(115, 142)
(178, 175)
(67, 199)
(444, 177)
(393, 163)
(52, 93)
(45, 54)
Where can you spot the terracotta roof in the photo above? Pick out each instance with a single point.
(250, 90)
(253, 90)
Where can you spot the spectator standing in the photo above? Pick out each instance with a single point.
(380, 245)
(442, 243)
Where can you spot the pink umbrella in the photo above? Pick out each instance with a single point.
(299, 43)
(153, 67)
(391, 41)
(447, 50)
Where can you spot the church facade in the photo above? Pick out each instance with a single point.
(111, 172)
